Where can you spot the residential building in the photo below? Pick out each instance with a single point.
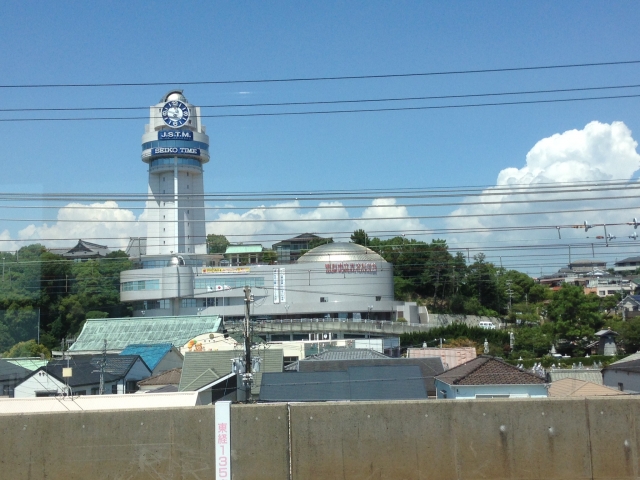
(159, 357)
(629, 306)
(163, 382)
(451, 357)
(288, 251)
(339, 360)
(628, 264)
(588, 265)
(573, 387)
(356, 383)
(489, 377)
(80, 375)
(14, 370)
(623, 374)
(590, 375)
(207, 371)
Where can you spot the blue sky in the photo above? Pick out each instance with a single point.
(90, 42)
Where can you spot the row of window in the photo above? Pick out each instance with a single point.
(153, 305)
(167, 263)
(141, 285)
(175, 143)
(181, 161)
(228, 282)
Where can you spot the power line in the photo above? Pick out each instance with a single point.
(327, 78)
(332, 102)
(331, 112)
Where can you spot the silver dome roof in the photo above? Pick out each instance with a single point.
(340, 252)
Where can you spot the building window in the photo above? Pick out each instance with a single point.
(378, 298)
(621, 387)
(324, 299)
(114, 389)
(188, 303)
(141, 285)
(219, 284)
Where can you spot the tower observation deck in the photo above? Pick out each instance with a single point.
(175, 146)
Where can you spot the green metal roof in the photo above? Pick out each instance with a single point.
(30, 364)
(235, 249)
(120, 332)
(201, 368)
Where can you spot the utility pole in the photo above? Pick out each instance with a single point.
(247, 343)
(103, 364)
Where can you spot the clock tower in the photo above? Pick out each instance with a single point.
(175, 146)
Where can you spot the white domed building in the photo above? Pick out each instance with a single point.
(336, 280)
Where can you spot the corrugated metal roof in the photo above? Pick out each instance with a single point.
(587, 375)
(371, 383)
(630, 358)
(120, 332)
(201, 368)
(573, 387)
(151, 354)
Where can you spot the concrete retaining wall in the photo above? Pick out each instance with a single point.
(496, 439)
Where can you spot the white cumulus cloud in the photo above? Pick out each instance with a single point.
(599, 152)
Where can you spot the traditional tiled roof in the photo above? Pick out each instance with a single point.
(170, 377)
(120, 332)
(355, 384)
(486, 370)
(572, 387)
(151, 354)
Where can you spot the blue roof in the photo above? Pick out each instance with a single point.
(151, 354)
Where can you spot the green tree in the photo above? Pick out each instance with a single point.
(217, 243)
(574, 315)
(28, 349)
(361, 238)
(269, 257)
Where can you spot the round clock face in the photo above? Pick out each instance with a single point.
(175, 113)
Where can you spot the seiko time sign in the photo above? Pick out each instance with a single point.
(175, 151)
(175, 113)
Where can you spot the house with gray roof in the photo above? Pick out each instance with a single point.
(14, 370)
(592, 375)
(120, 373)
(206, 370)
(489, 377)
(629, 306)
(623, 374)
(356, 383)
(342, 361)
(628, 264)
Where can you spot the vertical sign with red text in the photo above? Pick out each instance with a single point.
(223, 440)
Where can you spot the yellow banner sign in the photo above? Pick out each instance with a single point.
(207, 270)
